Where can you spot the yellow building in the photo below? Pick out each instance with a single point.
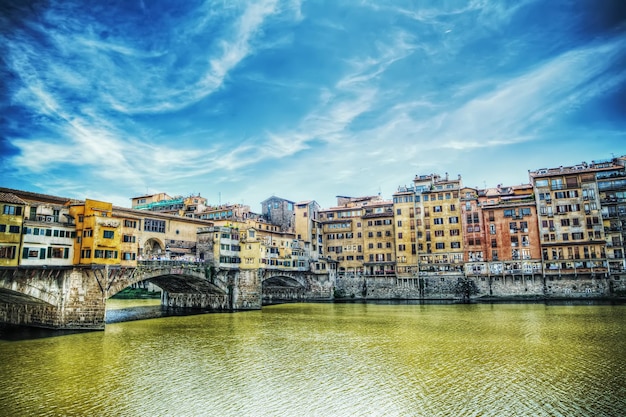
(98, 234)
(404, 210)
(358, 235)
(251, 250)
(440, 240)
(131, 234)
(11, 220)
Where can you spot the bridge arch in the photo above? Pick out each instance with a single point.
(171, 276)
(153, 247)
(45, 286)
(281, 287)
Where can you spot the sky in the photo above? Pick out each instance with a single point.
(306, 100)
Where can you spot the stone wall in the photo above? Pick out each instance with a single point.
(55, 298)
(455, 286)
(208, 302)
(85, 300)
(246, 289)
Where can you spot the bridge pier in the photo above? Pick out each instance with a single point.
(58, 298)
(75, 297)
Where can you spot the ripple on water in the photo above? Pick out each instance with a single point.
(330, 360)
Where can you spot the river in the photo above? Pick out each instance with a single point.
(330, 360)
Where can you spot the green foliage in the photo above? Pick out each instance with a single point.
(465, 288)
(134, 293)
(339, 293)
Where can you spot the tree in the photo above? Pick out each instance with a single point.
(465, 288)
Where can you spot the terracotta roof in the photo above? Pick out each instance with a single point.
(11, 198)
(31, 196)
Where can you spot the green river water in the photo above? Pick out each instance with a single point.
(330, 360)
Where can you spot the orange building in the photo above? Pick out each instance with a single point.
(511, 231)
(98, 234)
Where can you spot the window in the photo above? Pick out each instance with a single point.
(438, 221)
(87, 233)
(455, 245)
(12, 210)
(151, 225)
(7, 252)
(129, 256)
(14, 229)
(58, 253)
(571, 182)
(440, 245)
(108, 234)
(556, 184)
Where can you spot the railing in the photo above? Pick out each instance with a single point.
(169, 263)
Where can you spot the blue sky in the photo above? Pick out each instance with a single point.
(239, 101)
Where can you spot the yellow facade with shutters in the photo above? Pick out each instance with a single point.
(11, 221)
(405, 233)
(98, 234)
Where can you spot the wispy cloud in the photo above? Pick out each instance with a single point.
(515, 110)
(252, 98)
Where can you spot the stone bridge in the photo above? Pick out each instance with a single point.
(279, 286)
(75, 297)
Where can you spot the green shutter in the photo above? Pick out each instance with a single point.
(25, 253)
(66, 253)
(42, 253)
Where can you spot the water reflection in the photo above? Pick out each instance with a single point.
(331, 360)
